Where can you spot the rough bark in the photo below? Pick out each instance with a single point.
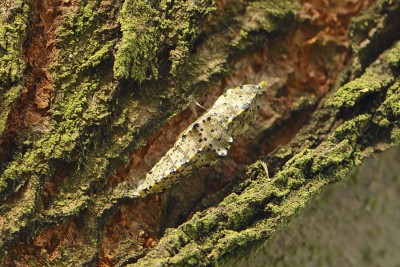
(86, 87)
(351, 223)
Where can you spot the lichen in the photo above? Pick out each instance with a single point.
(371, 81)
(374, 30)
(97, 121)
(394, 56)
(265, 205)
(150, 29)
(266, 16)
(13, 25)
(140, 40)
(80, 99)
(390, 108)
(395, 135)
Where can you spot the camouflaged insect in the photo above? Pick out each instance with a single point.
(206, 140)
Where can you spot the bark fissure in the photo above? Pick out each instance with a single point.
(330, 161)
(117, 73)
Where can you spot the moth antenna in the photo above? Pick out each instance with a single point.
(193, 108)
(197, 103)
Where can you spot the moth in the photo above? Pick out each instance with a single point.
(205, 140)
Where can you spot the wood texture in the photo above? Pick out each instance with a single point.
(89, 90)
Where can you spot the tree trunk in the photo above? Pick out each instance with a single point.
(89, 90)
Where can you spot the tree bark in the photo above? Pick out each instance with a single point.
(89, 90)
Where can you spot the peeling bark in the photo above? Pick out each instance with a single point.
(90, 90)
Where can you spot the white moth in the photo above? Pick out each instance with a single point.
(205, 140)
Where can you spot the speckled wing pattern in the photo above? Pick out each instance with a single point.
(205, 140)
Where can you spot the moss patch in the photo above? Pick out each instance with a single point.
(374, 30)
(266, 205)
(13, 23)
(150, 29)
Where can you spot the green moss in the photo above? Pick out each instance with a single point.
(141, 37)
(394, 56)
(80, 97)
(304, 102)
(12, 33)
(279, 198)
(184, 26)
(7, 100)
(331, 157)
(149, 29)
(230, 233)
(76, 24)
(371, 81)
(199, 225)
(68, 205)
(264, 16)
(85, 97)
(390, 108)
(273, 202)
(337, 155)
(372, 31)
(98, 56)
(193, 257)
(349, 130)
(13, 25)
(395, 135)
(19, 216)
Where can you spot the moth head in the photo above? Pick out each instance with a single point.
(262, 84)
(251, 88)
(261, 87)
